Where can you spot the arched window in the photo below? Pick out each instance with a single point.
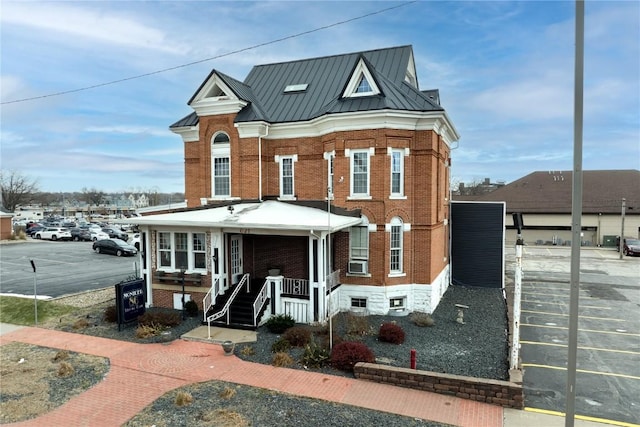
(221, 165)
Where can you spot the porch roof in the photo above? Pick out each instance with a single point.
(268, 215)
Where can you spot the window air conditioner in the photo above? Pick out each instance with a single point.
(357, 267)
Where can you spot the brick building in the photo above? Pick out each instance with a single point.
(318, 185)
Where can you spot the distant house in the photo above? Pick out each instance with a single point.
(544, 199)
(315, 186)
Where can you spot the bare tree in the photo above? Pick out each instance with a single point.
(92, 196)
(17, 189)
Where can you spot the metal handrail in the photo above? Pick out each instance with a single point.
(225, 309)
(209, 299)
(261, 298)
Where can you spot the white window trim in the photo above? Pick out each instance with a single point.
(398, 307)
(395, 221)
(404, 152)
(370, 153)
(294, 159)
(360, 70)
(220, 150)
(190, 253)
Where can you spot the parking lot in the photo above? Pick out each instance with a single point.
(61, 268)
(608, 358)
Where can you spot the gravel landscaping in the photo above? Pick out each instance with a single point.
(476, 348)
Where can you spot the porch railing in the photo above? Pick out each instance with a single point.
(260, 301)
(298, 287)
(209, 299)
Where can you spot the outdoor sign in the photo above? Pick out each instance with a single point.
(130, 300)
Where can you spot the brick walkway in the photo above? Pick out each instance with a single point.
(163, 367)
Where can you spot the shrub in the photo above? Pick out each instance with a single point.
(146, 331)
(346, 354)
(159, 318)
(247, 350)
(357, 325)
(315, 355)
(298, 336)
(61, 355)
(282, 360)
(280, 345)
(65, 369)
(279, 323)
(421, 319)
(183, 398)
(227, 393)
(80, 324)
(391, 332)
(191, 307)
(111, 314)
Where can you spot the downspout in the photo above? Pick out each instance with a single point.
(266, 128)
(450, 208)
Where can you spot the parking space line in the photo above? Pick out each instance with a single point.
(567, 315)
(564, 304)
(583, 417)
(583, 371)
(581, 330)
(580, 348)
(554, 295)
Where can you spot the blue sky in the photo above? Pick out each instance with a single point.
(505, 71)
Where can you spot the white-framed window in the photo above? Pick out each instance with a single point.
(359, 302)
(199, 251)
(361, 82)
(221, 165)
(287, 175)
(363, 86)
(164, 249)
(397, 171)
(396, 240)
(360, 161)
(359, 240)
(397, 303)
(178, 250)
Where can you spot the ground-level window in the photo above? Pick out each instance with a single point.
(397, 303)
(359, 302)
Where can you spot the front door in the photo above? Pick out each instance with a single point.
(236, 259)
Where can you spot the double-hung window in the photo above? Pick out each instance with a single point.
(181, 250)
(287, 176)
(396, 231)
(221, 166)
(397, 156)
(360, 172)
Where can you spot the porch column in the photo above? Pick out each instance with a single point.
(311, 280)
(322, 278)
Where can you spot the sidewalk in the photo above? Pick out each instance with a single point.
(163, 367)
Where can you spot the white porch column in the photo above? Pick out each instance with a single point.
(311, 280)
(322, 278)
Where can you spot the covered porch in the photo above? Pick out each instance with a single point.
(272, 257)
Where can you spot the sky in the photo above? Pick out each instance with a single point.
(76, 113)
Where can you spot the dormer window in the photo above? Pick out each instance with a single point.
(361, 82)
(364, 86)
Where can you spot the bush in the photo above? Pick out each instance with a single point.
(147, 331)
(391, 332)
(65, 369)
(183, 398)
(282, 360)
(315, 355)
(298, 336)
(346, 354)
(111, 314)
(279, 323)
(421, 319)
(159, 318)
(357, 325)
(280, 345)
(191, 307)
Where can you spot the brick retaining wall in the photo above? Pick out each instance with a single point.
(502, 393)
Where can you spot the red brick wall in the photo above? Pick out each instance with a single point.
(426, 188)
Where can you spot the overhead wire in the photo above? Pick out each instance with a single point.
(200, 61)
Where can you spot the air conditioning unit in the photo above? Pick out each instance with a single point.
(358, 267)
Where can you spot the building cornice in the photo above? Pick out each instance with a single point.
(188, 133)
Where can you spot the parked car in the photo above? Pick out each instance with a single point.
(114, 233)
(54, 233)
(78, 234)
(631, 247)
(31, 231)
(97, 234)
(135, 241)
(114, 246)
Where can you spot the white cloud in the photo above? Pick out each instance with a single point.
(86, 24)
(129, 130)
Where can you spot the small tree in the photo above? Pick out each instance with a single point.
(17, 189)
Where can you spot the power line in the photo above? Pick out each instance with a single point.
(233, 52)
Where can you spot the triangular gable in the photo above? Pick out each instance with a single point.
(361, 82)
(216, 96)
(213, 87)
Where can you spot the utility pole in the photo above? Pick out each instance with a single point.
(621, 244)
(517, 294)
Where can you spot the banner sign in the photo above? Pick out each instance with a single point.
(130, 300)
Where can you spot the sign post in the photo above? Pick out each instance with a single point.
(35, 291)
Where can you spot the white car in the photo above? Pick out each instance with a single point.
(97, 234)
(54, 233)
(135, 241)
